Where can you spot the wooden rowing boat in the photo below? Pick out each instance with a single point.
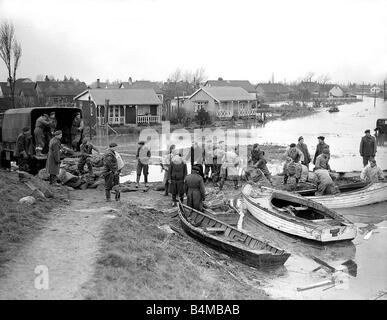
(249, 249)
(369, 194)
(297, 215)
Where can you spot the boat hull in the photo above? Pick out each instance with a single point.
(296, 227)
(236, 250)
(373, 193)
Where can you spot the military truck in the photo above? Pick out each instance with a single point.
(381, 131)
(14, 120)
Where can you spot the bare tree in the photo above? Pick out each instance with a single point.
(39, 77)
(199, 76)
(309, 76)
(175, 76)
(324, 78)
(10, 53)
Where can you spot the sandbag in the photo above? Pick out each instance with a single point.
(27, 200)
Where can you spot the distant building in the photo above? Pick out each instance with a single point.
(125, 106)
(244, 84)
(58, 93)
(375, 89)
(221, 102)
(104, 85)
(336, 92)
(273, 91)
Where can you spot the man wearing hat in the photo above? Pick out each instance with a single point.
(372, 173)
(367, 147)
(42, 124)
(194, 188)
(110, 171)
(320, 147)
(24, 149)
(143, 156)
(294, 153)
(53, 158)
(304, 149)
(176, 176)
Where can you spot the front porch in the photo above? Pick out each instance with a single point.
(237, 109)
(127, 115)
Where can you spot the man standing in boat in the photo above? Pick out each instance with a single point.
(367, 147)
(372, 173)
(320, 147)
(322, 161)
(194, 189)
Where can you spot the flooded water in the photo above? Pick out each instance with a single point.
(370, 256)
(342, 130)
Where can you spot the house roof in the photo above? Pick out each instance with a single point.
(122, 96)
(20, 84)
(61, 88)
(226, 93)
(142, 84)
(245, 84)
(104, 85)
(274, 88)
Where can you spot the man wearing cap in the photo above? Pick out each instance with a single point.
(41, 125)
(86, 151)
(110, 171)
(24, 149)
(143, 156)
(166, 165)
(322, 161)
(367, 147)
(76, 130)
(372, 173)
(194, 189)
(320, 147)
(294, 153)
(304, 149)
(53, 158)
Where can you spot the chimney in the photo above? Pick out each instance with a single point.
(98, 84)
(130, 81)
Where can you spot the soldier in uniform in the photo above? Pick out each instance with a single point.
(86, 151)
(194, 189)
(53, 158)
(110, 171)
(42, 124)
(24, 149)
(76, 131)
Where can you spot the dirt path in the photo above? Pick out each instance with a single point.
(67, 247)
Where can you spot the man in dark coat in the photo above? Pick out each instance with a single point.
(53, 158)
(194, 189)
(261, 164)
(320, 147)
(86, 151)
(177, 174)
(52, 127)
(24, 149)
(110, 171)
(76, 130)
(367, 147)
(42, 124)
(322, 161)
(304, 149)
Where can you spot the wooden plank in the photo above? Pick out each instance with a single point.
(214, 230)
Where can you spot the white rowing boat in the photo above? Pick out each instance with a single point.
(297, 215)
(370, 194)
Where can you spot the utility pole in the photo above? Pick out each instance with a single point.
(374, 98)
(384, 91)
(362, 92)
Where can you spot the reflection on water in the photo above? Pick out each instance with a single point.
(369, 256)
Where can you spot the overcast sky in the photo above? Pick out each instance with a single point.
(239, 39)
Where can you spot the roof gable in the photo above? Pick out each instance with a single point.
(61, 88)
(226, 93)
(245, 84)
(142, 84)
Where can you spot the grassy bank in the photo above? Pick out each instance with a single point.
(19, 222)
(140, 261)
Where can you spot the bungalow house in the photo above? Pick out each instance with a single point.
(336, 92)
(221, 102)
(273, 91)
(58, 93)
(244, 84)
(124, 106)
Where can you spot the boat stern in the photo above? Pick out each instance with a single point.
(339, 233)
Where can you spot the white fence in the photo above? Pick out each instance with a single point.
(148, 119)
